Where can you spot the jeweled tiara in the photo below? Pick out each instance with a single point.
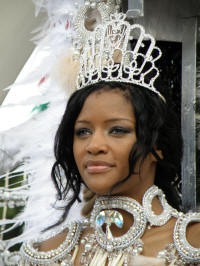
(105, 54)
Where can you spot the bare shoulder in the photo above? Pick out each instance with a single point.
(193, 234)
(53, 243)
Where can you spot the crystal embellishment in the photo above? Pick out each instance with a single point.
(100, 220)
(186, 251)
(104, 54)
(105, 245)
(104, 212)
(109, 217)
(31, 254)
(167, 213)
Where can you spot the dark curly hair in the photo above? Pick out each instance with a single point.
(156, 127)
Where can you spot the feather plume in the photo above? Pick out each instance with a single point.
(65, 72)
(30, 144)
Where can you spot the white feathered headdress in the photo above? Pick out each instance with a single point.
(29, 146)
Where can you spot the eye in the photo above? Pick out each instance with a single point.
(117, 130)
(81, 132)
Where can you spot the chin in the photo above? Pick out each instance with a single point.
(100, 191)
(105, 191)
(102, 185)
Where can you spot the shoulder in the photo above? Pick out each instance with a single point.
(54, 247)
(53, 242)
(41, 250)
(58, 237)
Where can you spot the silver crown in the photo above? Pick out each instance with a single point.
(105, 53)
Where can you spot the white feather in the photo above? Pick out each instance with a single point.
(32, 141)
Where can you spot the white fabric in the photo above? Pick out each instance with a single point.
(145, 261)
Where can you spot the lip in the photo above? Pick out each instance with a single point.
(94, 167)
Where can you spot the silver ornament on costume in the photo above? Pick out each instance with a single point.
(108, 217)
(104, 213)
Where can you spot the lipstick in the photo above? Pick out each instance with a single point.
(94, 167)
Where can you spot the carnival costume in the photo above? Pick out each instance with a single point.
(102, 246)
(104, 54)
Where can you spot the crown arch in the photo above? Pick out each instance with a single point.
(177, 23)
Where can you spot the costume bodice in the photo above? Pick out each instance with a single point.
(100, 248)
(66, 253)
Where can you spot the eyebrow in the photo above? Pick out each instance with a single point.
(107, 121)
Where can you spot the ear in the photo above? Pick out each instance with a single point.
(157, 155)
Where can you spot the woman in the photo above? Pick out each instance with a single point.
(119, 138)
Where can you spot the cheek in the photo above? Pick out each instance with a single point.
(122, 156)
(122, 150)
(79, 153)
(76, 153)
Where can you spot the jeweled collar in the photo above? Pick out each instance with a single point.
(104, 212)
(103, 246)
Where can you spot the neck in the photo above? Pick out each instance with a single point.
(138, 184)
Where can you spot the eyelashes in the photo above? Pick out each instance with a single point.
(82, 132)
(115, 131)
(119, 130)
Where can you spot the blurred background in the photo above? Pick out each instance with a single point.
(17, 22)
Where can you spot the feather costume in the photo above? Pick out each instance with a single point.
(28, 146)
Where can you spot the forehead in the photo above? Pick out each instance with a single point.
(107, 104)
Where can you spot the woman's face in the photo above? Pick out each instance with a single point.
(104, 134)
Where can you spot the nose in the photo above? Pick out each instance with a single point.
(97, 144)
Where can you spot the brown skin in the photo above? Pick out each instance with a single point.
(100, 136)
(107, 130)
